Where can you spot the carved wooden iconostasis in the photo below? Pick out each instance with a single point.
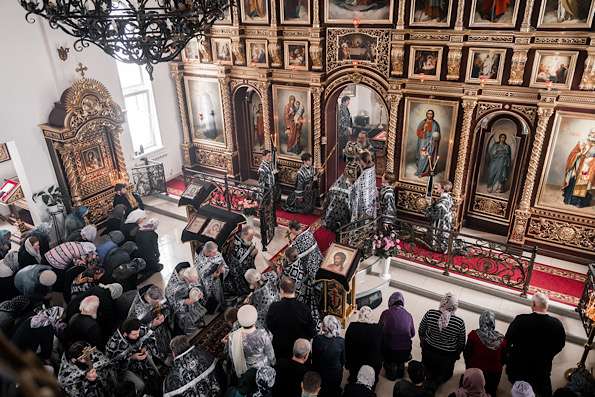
(495, 93)
(83, 137)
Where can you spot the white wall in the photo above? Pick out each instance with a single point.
(7, 170)
(32, 78)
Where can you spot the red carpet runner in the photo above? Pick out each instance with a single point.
(176, 186)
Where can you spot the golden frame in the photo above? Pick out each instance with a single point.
(215, 41)
(453, 126)
(548, 160)
(470, 58)
(349, 21)
(587, 24)
(412, 51)
(474, 24)
(249, 44)
(277, 136)
(304, 44)
(4, 154)
(432, 24)
(293, 22)
(207, 142)
(569, 73)
(254, 21)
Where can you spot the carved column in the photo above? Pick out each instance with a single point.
(178, 76)
(224, 84)
(469, 104)
(391, 139)
(455, 53)
(238, 50)
(526, 24)
(123, 174)
(397, 55)
(267, 116)
(401, 16)
(315, 14)
(273, 11)
(460, 12)
(317, 101)
(66, 155)
(523, 212)
(588, 79)
(517, 68)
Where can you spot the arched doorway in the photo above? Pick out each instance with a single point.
(249, 127)
(499, 153)
(355, 111)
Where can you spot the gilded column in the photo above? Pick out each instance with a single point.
(227, 112)
(397, 54)
(523, 212)
(315, 14)
(526, 24)
(273, 12)
(517, 68)
(401, 16)
(266, 106)
(455, 53)
(66, 155)
(123, 173)
(460, 11)
(178, 77)
(317, 100)
(588, 79)
(469, 104)
(391, 139)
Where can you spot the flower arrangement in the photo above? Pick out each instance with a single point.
(386, 244)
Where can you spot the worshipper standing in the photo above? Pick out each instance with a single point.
(85, 371)
(151, 308)
(265, 380)
(292, 267)
(345, 122)
(9, 266)
(388, 202)
(187, 298)
(311, 384)
(5, 243)
(266, 174)
(288, 320)
(35, 281)
(130, 226)
(265, 292)
(148, 247)
(310, 259)
(29, 253)
(442, 336)
(398, 330)
(328, 356)
(213, 271)
(121, 197)
(440, 215)
(473, 385)
(363, 194)
(303, 197)
(239, 255)
(75, 221)
(337, 210)
(291, 372)
(485, 350)
(521, 389)
(248, 346)
(129, 353)
(36, 334)
(115, 220)
(192, 372)
(364, 387)
(87, 233)
(363, 344)
(416, 386)
(533, 341)
(84, 327)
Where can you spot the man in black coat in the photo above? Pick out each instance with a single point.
(533, 341)
(290, 372)
(288, 320)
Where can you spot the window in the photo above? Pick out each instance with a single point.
(140, 107)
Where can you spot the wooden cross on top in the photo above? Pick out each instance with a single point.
(81, 69)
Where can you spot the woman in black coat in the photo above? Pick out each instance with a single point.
(148, 246)
(363, 344)
(115, 219)
(29, 253)
(364, 387)
(328, 357)
(36, 334)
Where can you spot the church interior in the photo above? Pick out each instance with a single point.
(186, 183)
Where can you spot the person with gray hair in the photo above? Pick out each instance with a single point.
(185, 293)
(328, 355)
(363, 344)
(364, 387)
(240, 254)
(533, 341)
(265, 293)
(84, 326)
(291, 371)
(212, 270)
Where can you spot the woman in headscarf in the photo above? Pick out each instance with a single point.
(36, 334)
(442, 335)
(115, 219)
(4, 242)
(398, 329)
(364, 387)
(75, 220)
(9, 266)
(87, 233)
(42, 232)
(148, 247)
(265, 380)
(473, 385)
(363, 343)
(328, 356)
(130, 226)
(29, 253)
(485, 350)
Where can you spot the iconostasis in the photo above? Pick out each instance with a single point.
(496, 95)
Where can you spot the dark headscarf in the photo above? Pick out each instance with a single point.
(396, 299)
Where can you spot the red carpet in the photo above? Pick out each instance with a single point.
(304, 219)
(176, 186)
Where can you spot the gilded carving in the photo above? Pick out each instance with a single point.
(588, 79)
(316, 56)
(526, 24)
(517, 68)
(237, 47)
(411, 201)
(517, 234)
(178, 77)
(208, 157)
(382, 36)
(397, 55)
(530, 112)
(563, 233)
(416, 36)
(227, 112)
(317, 100)
(275, 52)
(490, 206)
(486, 107)
(454, 62)
(394, 100)
(266, 106)
(204, 48)
(468, 108)
(561, 40)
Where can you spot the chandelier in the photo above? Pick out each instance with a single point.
(145, 32)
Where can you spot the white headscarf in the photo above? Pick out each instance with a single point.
(331, 327)
(366, 376)
(365, 315)
(31, 251)
(135, 216)
(88, 247)
(89, 233)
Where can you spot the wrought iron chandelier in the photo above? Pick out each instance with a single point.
(145, 32)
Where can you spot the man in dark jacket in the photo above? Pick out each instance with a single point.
(288, 320)
(533, 341)
(148, 247)
(290, 372)
(416, 386)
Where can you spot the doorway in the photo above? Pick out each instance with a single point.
(249, 128)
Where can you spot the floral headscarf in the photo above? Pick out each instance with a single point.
(51, 316)
(487, 333)
(331, 327)
(365, 315)
(448, 305)
(265, 380)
